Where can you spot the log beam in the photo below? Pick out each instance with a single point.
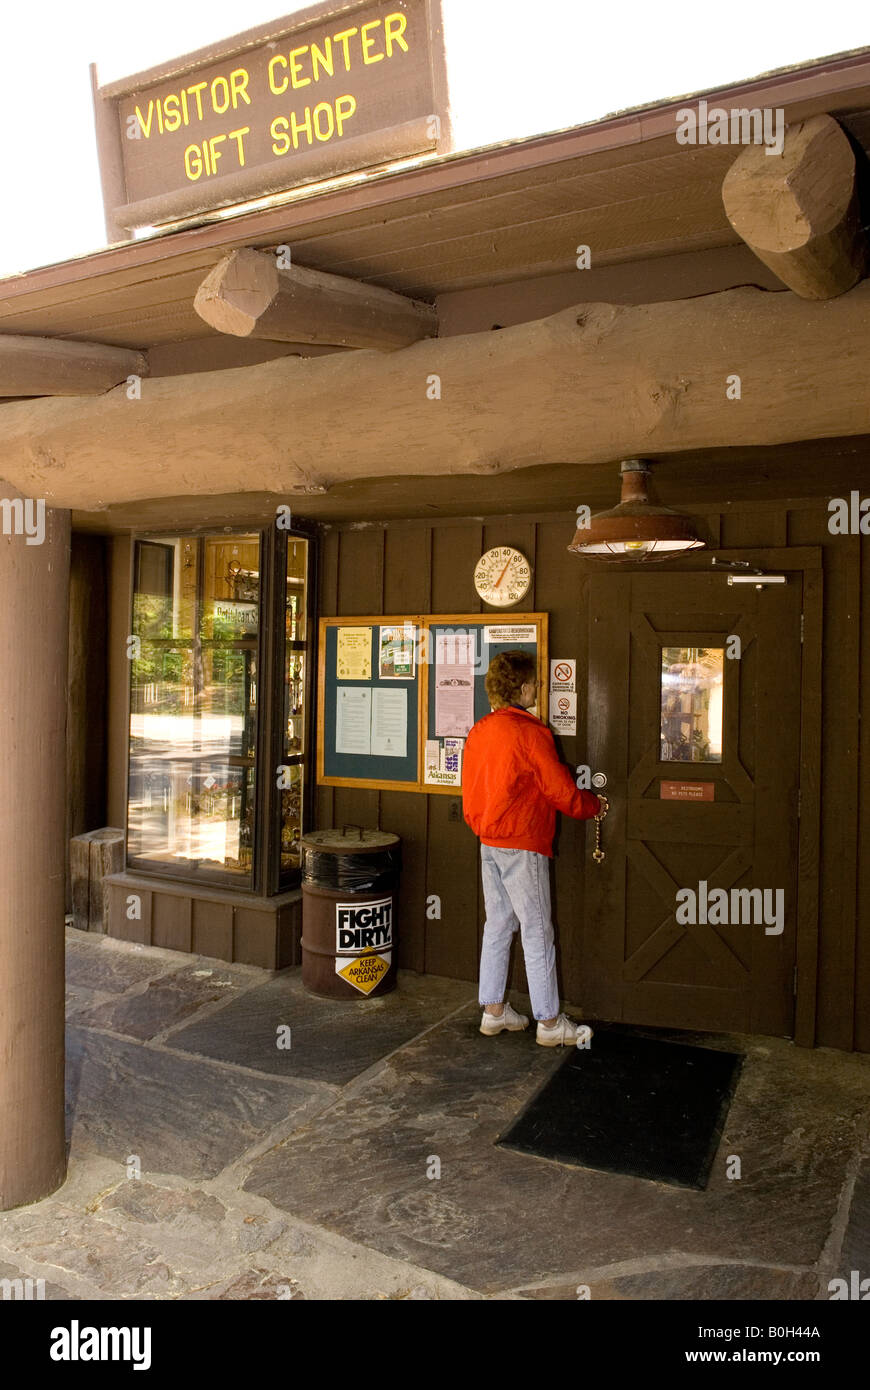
(588, 385)
(55, 367)
(247, 295)
(799, 210)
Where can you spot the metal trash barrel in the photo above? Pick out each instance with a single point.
(349, 882)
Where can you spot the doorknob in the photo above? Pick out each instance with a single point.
(599, 779)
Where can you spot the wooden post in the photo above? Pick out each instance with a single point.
(34, 578)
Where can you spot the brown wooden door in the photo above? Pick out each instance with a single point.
(641, 964)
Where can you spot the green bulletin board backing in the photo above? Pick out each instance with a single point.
(350, 769)
(408, 773)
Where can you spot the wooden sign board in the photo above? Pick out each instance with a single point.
(337, 88)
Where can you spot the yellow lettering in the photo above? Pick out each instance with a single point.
(215, 153)
(238, 136)
(295, 127)
(195, 91)
(280, 135)
(220, 85)
(146, 129)
(192, 162)
(171, 112)
(342, 38)
(324, 59)
(368, 44)
(239, 86)
(205, 158)
(273, 62)
(184, 107)
(326, 107)
(296, 68)
(344, 112)
(399, 23)
(160, 115)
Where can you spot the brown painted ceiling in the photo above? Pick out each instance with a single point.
(623, 186)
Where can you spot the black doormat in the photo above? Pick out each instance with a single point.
(634, 1104)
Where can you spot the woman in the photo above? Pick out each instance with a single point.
(512, 785)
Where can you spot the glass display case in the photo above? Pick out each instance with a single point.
(294, 702)
(219, 697)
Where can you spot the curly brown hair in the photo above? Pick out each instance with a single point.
(508, 673)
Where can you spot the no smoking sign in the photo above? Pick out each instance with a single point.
(563, 696)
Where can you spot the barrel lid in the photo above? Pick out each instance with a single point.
(349, 840)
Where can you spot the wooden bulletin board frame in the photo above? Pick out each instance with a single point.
(420, 705)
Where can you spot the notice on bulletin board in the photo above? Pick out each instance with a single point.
(454, 684)
(454, 700)
(353, 657)
(510, 632)
(353, 720)
(396, 652)
(443, 763)
(390, 723)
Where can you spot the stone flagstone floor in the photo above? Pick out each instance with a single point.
(209, 1161)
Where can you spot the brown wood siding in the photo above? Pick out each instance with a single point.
(418, 567)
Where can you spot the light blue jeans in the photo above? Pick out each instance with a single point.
(516, 891)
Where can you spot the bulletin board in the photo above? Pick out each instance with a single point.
(366, 738)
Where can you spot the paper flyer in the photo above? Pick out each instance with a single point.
(454, 700)
(396, 646)
(353, 720)
(353, 656)
(389, 723)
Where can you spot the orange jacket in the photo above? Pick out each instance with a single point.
(513, 783)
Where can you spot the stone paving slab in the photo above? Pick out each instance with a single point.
(166, 1001)
(330, 1040)
(114, 966)
(496, 1219)
(77, 1243)
(18, 1283)
(178, 1113)
(268, 1183)
(855, 1253)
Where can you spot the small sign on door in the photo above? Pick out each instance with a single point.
(563, 696)
(687, 791)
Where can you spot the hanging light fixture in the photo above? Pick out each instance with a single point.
(636, 529)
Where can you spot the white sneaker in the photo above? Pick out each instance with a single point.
(508, 1019)
(564, 1032)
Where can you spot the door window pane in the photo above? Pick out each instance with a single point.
(691, 704)
(193, 706)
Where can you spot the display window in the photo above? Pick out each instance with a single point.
(219, 707)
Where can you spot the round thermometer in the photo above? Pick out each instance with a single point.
(502, 576)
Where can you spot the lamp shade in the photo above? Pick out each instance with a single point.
(635, 529)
